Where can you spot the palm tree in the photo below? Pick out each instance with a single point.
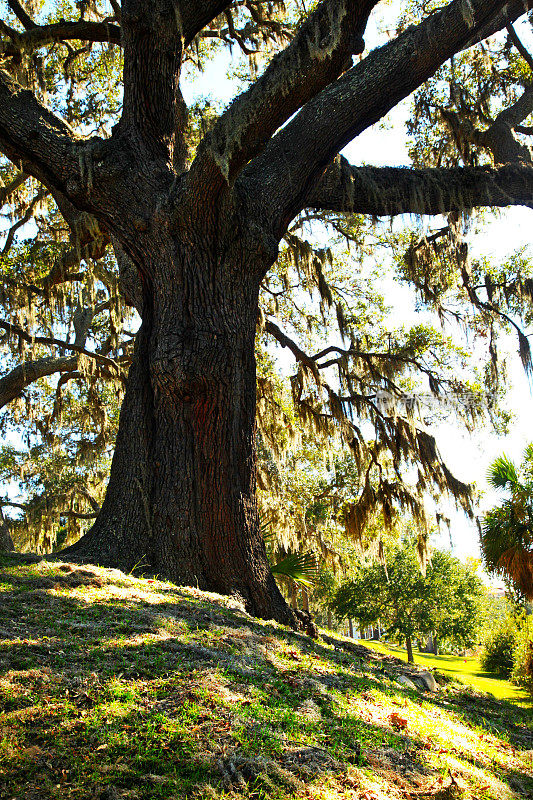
(507, 529)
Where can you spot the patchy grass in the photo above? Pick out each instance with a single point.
(117, 687)
(466, 670)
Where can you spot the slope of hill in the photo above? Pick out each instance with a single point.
(117, 687)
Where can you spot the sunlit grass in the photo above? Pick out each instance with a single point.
(466, 670)
(158, 691)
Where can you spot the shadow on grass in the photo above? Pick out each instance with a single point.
(166, 699)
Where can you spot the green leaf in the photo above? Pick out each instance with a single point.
(502, 473)
(300, 567)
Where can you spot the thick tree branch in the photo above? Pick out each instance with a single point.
(526, 55)
(22, 221)
(43, 35)
(196, 15)
(33, 137)
(300, 152)
(11, 187)
(93, 248)
(13, 384)
(21, 14)
(499, 137)
(510, 12)
(317, 55)
(519, 110)
(28, 337)
(285, 341)
(390, 191)
(153, 51)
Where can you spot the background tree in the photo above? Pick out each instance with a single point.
(444, 602)
(453, 595)
(507, 529)
(203, 212)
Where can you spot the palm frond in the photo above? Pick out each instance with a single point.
(517, 563)
(265, 529)
(302, 568)
(502, 473)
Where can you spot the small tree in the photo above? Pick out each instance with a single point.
(443, 602)
(453, 596)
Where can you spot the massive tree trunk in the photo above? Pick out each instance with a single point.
(181, 500)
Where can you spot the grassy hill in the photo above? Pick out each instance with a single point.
(117, 687)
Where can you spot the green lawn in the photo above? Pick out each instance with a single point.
(467, 670)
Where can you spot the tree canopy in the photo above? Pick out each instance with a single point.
(445, 602)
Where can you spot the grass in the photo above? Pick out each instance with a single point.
(466, 670)
(119, 687)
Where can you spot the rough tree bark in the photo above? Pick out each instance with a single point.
(181, 496)
(181, 499)
(6, 542)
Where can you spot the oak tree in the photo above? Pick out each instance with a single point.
(200, 219)
(444, 603)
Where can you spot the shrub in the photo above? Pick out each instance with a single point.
(523, 656)
(497, 654)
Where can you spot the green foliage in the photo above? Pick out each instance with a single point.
(498, 650)
(507, 529)
(522, 672)
(302, 568)
(445, 602)
(299, 567)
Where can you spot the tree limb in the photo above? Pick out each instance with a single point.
(286, 341)
(510, 12)
(21, 14)
(320, 51)
(499, 137)
(299, 153)
(526, 55)
(22, 221)
(42, 35)
(28, 337)
(196, 15)
(32, 136)
(153, 50)
(11, 187)
(13, 384)
(388, 191)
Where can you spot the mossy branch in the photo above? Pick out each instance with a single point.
(389, 191)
